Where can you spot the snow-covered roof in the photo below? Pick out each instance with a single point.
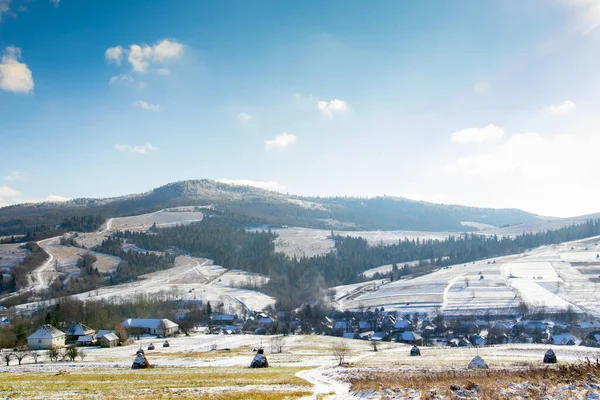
(79, 329)
(589, 325)
(222, 317)
(103, 332)
(410, 336)
(46, 332)
(563, 339)
(265, 321)
(110, 336)
(402, 324)
(84, 339)
(341, 324)
(149, 323)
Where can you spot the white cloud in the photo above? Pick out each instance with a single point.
(329, 108)
(55, 3)
(15, 77)
(126, 148)
(54, 198)
(114, 54)
(8, 192)
(146, 106)
(267, 185)
(531, 155)
(481, 87)
(244, 117)
(587, 14)
(280, 141)
(141, 57)
(564, 108)
(4, 7)
(478, 135)
(127, 81)
(13, 176)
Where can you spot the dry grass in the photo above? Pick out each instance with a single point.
(488, 380)
(212, 383)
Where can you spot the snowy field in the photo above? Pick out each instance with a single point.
(11, 254)
(539, 278)
(220, 363)
(162, 218)
(191, 278)
(299, 242)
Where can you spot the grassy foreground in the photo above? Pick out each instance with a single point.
(490, 383)
(220, 383)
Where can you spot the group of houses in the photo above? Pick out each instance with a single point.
(81, 335)
(456, 332)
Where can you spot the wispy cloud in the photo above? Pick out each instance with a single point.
(267, 185)
(142, 57)
(114, 54)
(55, 3)
(330, 108)
(481, 87)
(13, 176)
(126, 148)
(564, 108)
(281, 141)
(587, 14)
(126, 81)
(15, 76)
(146, 106)
(244, 117)
(477, 135)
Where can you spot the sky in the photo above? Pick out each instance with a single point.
(493, 104)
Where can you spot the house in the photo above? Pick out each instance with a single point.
(103, 332)
(109, 340)
(265, 321)
(366, 326)
(84, 341)
(402, 325)
(379, 337)
(151, 326)
(222, 319)
(231, 329)
(410, 337)
(564, 339)
(478, 340)
(464, 343)
(45, 337)
(342, 326)
(78, 329)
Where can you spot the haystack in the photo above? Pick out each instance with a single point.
(414, 351)
(550, 357)
(477, 363)
(140, 362)
(151, 346)
(259, 360)
(166, 343)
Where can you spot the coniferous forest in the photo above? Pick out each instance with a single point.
(293, 281)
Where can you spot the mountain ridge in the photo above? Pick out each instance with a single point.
(271, 207)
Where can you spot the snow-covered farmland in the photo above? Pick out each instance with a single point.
(11, 254)
(191, 278)
(539, 278)
(162, 218)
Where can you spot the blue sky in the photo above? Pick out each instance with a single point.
(480, 103)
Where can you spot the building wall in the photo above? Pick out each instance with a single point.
(43, 344)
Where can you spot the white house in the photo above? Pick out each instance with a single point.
(45, 337)
(151, 326)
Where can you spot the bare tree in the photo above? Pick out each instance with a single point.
(7, 357)
(277, 344)
(20, 355)
(35, 355)
(71, 353)
(82, 354)
(374, 345)
(340, 350)
(63, 355)
(53, 354)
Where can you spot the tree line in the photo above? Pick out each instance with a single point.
(298, 280)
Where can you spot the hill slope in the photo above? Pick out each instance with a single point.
(262, 206)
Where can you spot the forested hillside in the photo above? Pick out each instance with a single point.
(297, 280)
(383, 213)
